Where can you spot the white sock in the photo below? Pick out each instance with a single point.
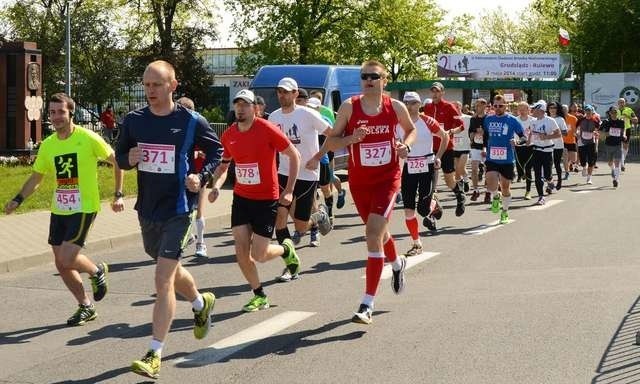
(198, 303)
(506, 200)
(616, 172)
(417, 242)
(156, 346)
(200, 229)
(368, 301)
(86, 303)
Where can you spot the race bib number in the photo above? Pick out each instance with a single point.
(457, 140)
(478, 139)
(68, 200)
(616, 132)
(248, 174)
(417, 164)
(157, 158)
(586, 135)
(375, 154)
(498, 153)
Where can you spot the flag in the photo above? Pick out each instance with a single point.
(563, 37)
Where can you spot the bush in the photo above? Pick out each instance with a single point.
(213, 115)
(15, 161)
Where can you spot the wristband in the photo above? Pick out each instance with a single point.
(408, 148)
(118, 194)
(18, 199)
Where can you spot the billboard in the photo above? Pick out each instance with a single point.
(477, 66)
(603, 90)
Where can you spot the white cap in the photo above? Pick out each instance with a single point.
(540, 104)
(314, 103)
(411, 96)
(288, 84)
(428, 100)
(245, 95)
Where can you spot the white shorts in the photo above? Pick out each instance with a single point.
(476, 155)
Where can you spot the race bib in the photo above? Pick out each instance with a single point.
(375, 154)
(457, 140)
(248, 174)
(498, 153)
(68, 200)
(478, 139)
(586, 135)
(157, 158)
(616, 132)
(418, 164)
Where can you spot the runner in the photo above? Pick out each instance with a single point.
(417, 172)
(71, 155)
(571, 158)
(587, 127)
(626, 113)
(478, 138)
(256, 194)
(447, 115)
(554, 110)
(461, 149)
(543, 130)
(159, 140)
(302, 126)
(367, 122)
(524, 152)
(501, 128)
(616, 134)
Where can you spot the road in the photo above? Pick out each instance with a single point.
(551, 297)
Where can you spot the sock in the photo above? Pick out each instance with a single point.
(412, 226)
(624, 155)
(465, 179)
(616, 172)
(506, 200)
(375, 263)
(329, 202)
(259, 292)
(368, 301)
(86, 303)
(156, 346)
(492, 194)
(390, 250)
(200, 229)
(198, 303)
(282, 234)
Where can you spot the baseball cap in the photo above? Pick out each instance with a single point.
(428, 100)
(411, 96)
(260, 100)
(288, 84)
(302, 93)
(589, 108)
(437, 85)
(245, 95)
(314, 102)
(540, 104)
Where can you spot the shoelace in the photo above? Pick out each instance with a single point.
(149, 357)
(199, 319)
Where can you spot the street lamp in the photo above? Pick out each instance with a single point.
(68, 50)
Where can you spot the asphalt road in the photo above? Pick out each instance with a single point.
(551, 297)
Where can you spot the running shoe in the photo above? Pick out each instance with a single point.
(363, 315)
(291, 260)
(99, 284)
(566, 175)
(257, 303)
(487, 198)
(461, 199)
(296, 237)
(589, 180)
(622, 168)
(341, 197)
(201, 250)
(504, 217)
(475, 195)
(148, 366)
(286, 276)
(415, 249)
(615, 183)
(429, 222)
(550, 188)
(320, 218)
(466, 186)
(83, 314)
(399, 199)
(541, 201)
(437, 210)
(397, 277)
(202, 318)
(496, 204)
(313, 237)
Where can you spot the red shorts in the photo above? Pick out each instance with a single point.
(378, 199)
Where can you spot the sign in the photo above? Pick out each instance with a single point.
(602, 90)
(508, 97)
(539, 66)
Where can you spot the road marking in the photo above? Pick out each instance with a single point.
(412, 261)
(234, 343)
(486, 228)
(548, 203)
(586, 191)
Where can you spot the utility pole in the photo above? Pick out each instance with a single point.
(68, 50)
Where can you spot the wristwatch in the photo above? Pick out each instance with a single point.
(118, 194)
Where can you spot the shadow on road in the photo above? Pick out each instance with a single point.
(24, 335)
(620, 362)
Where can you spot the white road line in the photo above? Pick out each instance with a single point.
(486, 228)
(585, 191)
(547, 204)
(411, 262)
(234, 343)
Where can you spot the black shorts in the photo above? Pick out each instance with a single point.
(587, 154)
(505, 170)
(571, 147)
(260, 215)
(325, 175)
(70, 228)
(303, 194)
(446, 163)
(457, 154)
(166, 238)
(413, 184)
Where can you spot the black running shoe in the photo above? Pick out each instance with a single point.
(83, 314)
(363, 315)
(460, 204)
(466, 186)
(615, 183)
(429, 222)
(99, 284)
(397, 277)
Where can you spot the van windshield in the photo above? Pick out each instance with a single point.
(271, 99)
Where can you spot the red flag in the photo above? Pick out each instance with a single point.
(563, 37)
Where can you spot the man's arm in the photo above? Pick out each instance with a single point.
(127, 152)
(28, 188)
(117, 205)
(218, 178)
(286, 197)
(336, 140)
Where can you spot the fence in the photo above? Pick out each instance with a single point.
(634, 147)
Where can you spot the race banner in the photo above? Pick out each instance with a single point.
(477, 66)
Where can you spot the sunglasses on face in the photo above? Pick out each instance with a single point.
(499, 105)
(370, 76)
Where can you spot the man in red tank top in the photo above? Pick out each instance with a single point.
(365, 125)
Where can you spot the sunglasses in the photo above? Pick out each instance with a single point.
(499, 105)
(370, 76)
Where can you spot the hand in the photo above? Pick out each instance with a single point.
(286, 197)
(117, 205)
(402, 150)
(200, 155)
(312, 164)
(11, 206)
(360, 133)
(135, 156)
(437, 164)
(214, 194)
(484, 154)
(192, 182)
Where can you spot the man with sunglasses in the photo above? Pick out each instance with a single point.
(366, 126)
(447, 115)
(501, 128)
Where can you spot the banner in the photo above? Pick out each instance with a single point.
(602, 90)
(473, 66)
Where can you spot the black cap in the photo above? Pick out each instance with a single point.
(260, 100)
(302, 93)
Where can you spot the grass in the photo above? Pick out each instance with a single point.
(14, 177)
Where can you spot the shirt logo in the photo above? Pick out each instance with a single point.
(175, 130)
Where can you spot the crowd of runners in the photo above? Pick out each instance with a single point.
(283, 167)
